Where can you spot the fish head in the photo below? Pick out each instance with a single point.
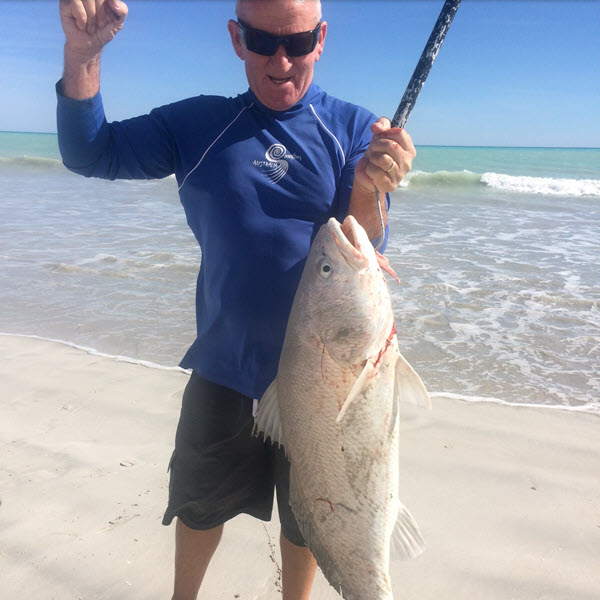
(345, 292)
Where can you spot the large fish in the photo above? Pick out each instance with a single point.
(334, 408)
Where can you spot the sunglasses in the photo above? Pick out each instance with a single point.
(266, 44)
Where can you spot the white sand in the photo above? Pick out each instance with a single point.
(508, 499)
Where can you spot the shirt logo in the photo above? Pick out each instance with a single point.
(275, 166)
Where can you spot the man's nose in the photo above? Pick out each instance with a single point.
(281, 56)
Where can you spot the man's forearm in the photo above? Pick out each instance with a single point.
(81, 78)
(88, 27)
(363, 207)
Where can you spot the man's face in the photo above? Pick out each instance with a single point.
(279, 81)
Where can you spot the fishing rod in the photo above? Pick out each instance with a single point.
(434, 43)
(415, 85)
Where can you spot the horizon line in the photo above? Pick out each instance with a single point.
(416, 145)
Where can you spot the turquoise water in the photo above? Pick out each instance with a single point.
(35, 145)
(555, 163)
(496, 248)
(577, 163)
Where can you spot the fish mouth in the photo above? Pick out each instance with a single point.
(347, 237)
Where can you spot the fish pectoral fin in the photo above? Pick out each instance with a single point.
(408, 385)
(359, 385)
(268, 418)
(406, 539)
(384, 263)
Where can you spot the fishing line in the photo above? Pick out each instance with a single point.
(413, 89)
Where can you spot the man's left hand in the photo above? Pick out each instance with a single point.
(387, 159)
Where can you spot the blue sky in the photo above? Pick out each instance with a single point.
(510, 73)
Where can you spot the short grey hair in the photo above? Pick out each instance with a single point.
(317, 2)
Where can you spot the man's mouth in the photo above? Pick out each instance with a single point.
(279, 81)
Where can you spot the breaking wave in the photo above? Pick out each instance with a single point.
(523, 184)
(543, 185)
(37, 162)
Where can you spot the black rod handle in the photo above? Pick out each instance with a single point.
(425, 62)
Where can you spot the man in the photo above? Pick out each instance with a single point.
(257, 176)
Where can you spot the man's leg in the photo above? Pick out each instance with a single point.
(298, 564)
(218, 469)
(193, 550)
(298, 570)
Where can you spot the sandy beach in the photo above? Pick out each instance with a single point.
(508, 499)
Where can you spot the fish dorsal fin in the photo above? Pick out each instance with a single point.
(408, 385)
(268, 418)
(406, 539)
(357, 388)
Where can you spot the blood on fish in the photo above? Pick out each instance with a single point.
(325, 500)
(386, 346)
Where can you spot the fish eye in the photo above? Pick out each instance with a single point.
(324, 267)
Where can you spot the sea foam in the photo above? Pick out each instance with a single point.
(92, 351)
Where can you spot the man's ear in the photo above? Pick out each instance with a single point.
(321, 40)
(236, 39)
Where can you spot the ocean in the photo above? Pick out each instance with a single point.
(497, 250)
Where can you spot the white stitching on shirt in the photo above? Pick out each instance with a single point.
(329, 132)
(214, 142)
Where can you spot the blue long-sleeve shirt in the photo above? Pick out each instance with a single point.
(256, 185)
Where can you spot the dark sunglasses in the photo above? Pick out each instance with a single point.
(261, 42)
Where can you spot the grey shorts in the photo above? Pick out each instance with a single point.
(219, 469)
